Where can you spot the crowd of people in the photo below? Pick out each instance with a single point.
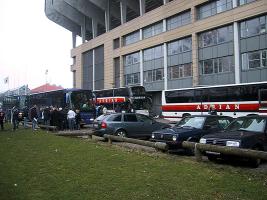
(63, 119)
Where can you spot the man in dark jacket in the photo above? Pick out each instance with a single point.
(2, 117)
(14, 117)
(78, 119)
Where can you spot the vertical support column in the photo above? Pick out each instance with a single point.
(165, 1)
(142, 7)
(164, 25)
(141, 68)
(94, 28)
(73, 40)
(141, 34)
(107, 17)
(165, 67)
(93, 69)
(234, 3)
(83, 30)
(236, 53)
(123, 11)
(121, 72)
(195, 60)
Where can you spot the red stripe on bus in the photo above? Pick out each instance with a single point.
(108, 100)
(218, 107)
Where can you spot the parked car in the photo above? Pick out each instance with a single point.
(191, 128)
(247, 132)
(128, 125)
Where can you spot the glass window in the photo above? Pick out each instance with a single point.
(253, 27)
(130, 118)
(131, 38)
(217, 65)
(132, 79)
(254, 59)
(242, 2)
(178, 20)
(179, 46)
(132, 59)
(152, 30)
(153, 75)
(207, 66)
(153, 53)
(180, 71)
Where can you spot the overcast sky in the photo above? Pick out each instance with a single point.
(30, 44)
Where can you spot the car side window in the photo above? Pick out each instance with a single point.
(212, 122)
(224, 122)
(142, 118)
(116, 118)
(130, 118)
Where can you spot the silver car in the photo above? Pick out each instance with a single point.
(128, 125)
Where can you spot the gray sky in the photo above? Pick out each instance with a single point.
(29, 44)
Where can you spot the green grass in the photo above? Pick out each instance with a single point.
(36, 165)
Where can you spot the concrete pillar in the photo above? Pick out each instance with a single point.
(83, 30)
(141, 68)
(107, 17)
(234, 3)
(123, 11)
(94, 28)
(165, 66)
(236, 53)
(93, 69)
(165, 1)
(141, 34)
(195, 59)
(164, 25)
(142, 7)
(122, 72)
(74, 40)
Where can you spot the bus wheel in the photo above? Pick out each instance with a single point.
(121, 133)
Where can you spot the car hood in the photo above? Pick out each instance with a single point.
(177, 131)
(234, 135)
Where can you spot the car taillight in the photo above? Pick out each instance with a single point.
(103, 125)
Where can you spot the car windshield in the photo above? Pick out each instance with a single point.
(255, 124)
(192, 122)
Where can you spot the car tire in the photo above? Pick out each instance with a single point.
(255, 162)
(121, 133)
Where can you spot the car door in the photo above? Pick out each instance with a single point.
(146, 125)
(132, 125)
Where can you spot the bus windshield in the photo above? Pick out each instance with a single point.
(138, 91)
(141, 104)
(81, 100)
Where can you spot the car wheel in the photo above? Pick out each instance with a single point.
(121, 133)
(255, 162)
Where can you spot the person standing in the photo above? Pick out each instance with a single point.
(14, 118)
(34, 117)
(71, 119)
(2, 117)
(25, 116)
(78, 119)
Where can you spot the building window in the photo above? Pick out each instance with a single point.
(131, 38)
(180, 71)
(180, 46)
(153, 53)
(214, 8)
(153, 30)
(116, 43)
(132, 59)
(253, 27)
(153, 75)
(132, 79)
(242, 2)
(217, 65)
(178, 20)
(217, 36)
(254, 59)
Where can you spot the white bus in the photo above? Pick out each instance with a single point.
(230, 100)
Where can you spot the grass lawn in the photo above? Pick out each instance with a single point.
(37, 165)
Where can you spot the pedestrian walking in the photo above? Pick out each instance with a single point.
(71, 119)
(2, 118)
(14, 118)
(34, 117)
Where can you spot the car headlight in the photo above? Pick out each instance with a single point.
(203, 141)
(232, 144)
(174, 138)
(153, 135)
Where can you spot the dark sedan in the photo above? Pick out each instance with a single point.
(249, 132)
(128, 125)
(191, 128)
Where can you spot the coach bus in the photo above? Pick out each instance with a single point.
(231, 100)
(76, 99)
(128, 99)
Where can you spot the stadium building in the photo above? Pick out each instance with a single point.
(164, 44)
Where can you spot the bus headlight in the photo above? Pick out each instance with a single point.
(203, 141)
(232, 144)
(153, 135)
